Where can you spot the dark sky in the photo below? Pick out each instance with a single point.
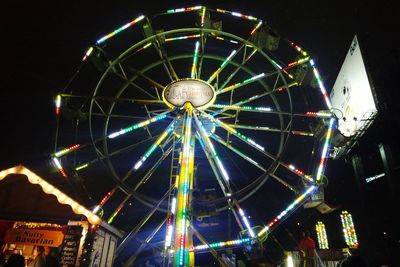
(43, 43)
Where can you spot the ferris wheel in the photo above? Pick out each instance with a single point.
(188, 115)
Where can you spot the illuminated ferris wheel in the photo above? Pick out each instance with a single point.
(188, 115)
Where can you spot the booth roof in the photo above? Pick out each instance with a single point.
(24, 196)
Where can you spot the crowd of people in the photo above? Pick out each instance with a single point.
(42, 257)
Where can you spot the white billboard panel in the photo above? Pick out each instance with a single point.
(352, 97)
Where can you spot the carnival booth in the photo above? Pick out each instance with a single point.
(33, 213)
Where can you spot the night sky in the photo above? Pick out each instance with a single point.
(43, 43)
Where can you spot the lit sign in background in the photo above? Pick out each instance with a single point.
(34, 237)
(352, 97)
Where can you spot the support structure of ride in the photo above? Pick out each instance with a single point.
(162, 104)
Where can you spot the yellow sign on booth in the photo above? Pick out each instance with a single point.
(34, 237)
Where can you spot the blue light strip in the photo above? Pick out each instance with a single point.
(285, 212)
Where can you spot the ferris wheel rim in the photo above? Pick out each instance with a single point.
(151, 201)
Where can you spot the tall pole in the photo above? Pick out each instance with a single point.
(183, 234)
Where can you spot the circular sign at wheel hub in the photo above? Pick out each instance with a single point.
(197, 92)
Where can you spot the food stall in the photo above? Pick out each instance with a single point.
(33, 212)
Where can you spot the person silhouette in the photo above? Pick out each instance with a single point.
(51, 260)
(15, 260)
(306, 247)
(40, 258)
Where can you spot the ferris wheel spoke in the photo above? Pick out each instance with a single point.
(156, 85)
(258, 147)
(117, 99)
(221, 114)
(105, 115)
(212, 156)
(150, 172)
(143, 180)
(122, 70)
(210, 148)
(229, 59)
(245, 82)
(222, 66)
(237, 151)
(298, 172)
(254, 30)
(139, 226)
(239, 103)
(138, 125)
(321, 84)
(150, 150)
(86, 164)
(157, 44)
(133, 127)
(143, 243)
(218, 173)
(325, 150)
(250, 160)
(246, 59)
(144, 76)
(289, 209)
(164, 57)
(193, 73)
(133, 84)
(270, 129)
(156, 111)
(166, 62)
(283, 182)
(118, 209)
(207, 244)
(120, 29)
(298, 62)
(99, 107)
(241, 136)
(242, 108)
(102, 113)
(203, 39)
(115, 116)
(221, 244)
(120, 116)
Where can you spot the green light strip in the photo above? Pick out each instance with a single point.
(83, 166)
(237, 151)
(182, 37)
(241, 136)
(194, 64)
(242, 108)
(120, 29)
(139, 125)
(184, 9)
(153, 147)
(212, 77)
(237, 14)
(256, 97)
(237, 85)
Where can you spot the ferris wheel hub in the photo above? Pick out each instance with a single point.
(198, 93)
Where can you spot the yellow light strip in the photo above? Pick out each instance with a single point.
(185, 180)
(50, 189)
